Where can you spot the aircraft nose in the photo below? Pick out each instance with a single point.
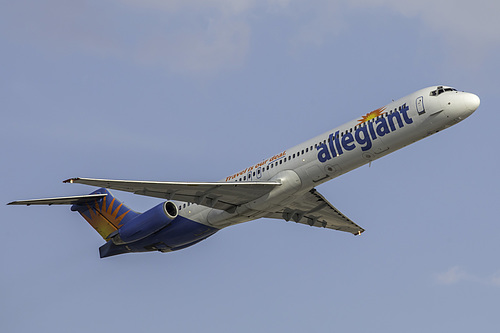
(471, 102)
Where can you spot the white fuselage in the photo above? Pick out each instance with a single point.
(341, 150)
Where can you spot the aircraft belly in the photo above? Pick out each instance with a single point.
(179, 234)
(221, 219)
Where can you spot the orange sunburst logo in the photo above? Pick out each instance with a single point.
(371, 115)
(104, 218)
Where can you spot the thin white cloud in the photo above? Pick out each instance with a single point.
(452, 276)
(221, 44)
(457, 274)
(494, 279)
(223, 6)
(324, 22)
(467, 25)
(186, 37)
(468, 29)
(221, 41)
(205, 36)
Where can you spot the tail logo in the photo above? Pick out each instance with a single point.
(105, 218)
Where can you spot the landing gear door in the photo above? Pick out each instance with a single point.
(420, 105)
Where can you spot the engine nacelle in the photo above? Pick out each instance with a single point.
(146, 223)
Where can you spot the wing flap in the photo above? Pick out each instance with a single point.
(220, 195)
(76, 199)
(313, 209)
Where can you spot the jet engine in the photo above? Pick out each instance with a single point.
(146, 223)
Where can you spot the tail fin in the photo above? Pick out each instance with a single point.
(106, 215)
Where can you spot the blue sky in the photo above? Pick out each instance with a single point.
(197, 90)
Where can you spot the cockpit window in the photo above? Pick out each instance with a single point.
(441, 90)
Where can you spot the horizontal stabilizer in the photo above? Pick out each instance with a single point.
(77, 199)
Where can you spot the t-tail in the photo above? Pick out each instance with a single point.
(123, 229)
(120, 226)
(105, 215)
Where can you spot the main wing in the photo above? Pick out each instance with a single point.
(220, 195)
(313, 209)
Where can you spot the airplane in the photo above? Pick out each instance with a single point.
(279, 187)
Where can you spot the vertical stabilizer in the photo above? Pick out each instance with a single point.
(105, 215)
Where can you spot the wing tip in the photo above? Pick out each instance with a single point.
(19, 203)
(71, 180)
